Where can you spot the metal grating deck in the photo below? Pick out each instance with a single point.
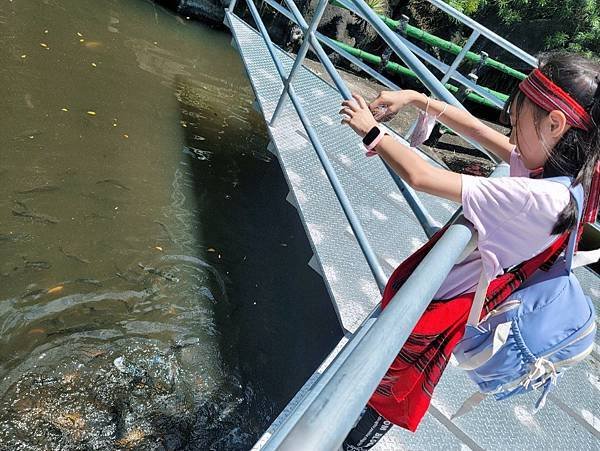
(571, 419)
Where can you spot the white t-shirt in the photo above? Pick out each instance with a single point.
(514, 217)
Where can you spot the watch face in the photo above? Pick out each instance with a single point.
(369, 137)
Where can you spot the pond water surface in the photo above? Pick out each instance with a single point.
(154, 292)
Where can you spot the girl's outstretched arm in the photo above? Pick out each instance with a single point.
(458, 120)
(413, 169)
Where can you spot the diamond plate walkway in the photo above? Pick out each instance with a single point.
(571, 419)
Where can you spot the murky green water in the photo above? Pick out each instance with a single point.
(139, 308)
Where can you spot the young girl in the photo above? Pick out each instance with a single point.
(522, 220)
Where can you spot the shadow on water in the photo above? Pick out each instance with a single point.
(278, 323)
(154, 292)
(198, 347)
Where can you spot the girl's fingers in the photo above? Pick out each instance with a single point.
(347, 111)
(350, 104)
(361, 102)
(345, 120)
(375, 103)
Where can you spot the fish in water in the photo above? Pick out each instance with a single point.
(158, 272)
(131, 438)
(73, 256)
(28, 101)
(36, 264)
(28, 134)
(93, 44)
(34, 294)
(38, 189)
(112, 182)
(166, 229)
(94, 282)
(12, 237)
(24, 211)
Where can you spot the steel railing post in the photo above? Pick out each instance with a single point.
(231, 5)
(357, 229)
(428, 224)
(314, 23)
(498, 40)
(474, 35)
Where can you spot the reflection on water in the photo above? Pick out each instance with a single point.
(112, 300)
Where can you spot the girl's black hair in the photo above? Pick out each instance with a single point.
(578, 151)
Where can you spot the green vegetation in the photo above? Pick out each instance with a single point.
(466, 6)
(572, 25)
(381, 7)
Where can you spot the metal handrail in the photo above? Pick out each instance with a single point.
(441, 66)
(324, 417)
(357, 229)
(321, 424)
(489, 34)
(428, 224)
(413, 63)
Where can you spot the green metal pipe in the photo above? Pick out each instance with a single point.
(428, 38)
(398, 69)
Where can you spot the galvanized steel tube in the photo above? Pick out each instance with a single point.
(398, 69)
(461, 55)
(423, 216)
(326, 422)
(300, 56)
(425, 76)
(498, 40)
(357, 229)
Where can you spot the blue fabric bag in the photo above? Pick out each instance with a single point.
(545, 327)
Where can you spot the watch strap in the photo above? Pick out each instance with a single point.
(371, 146)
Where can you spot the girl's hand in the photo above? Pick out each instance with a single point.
(388, 103)
(357, 115)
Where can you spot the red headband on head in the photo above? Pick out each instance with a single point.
(549, 96)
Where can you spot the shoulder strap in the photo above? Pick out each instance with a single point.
(578, 195)
(478, 301)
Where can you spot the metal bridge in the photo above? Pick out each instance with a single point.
(362, 221)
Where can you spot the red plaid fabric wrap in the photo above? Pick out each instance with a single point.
(404, 394)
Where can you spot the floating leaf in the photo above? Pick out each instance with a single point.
(56, 289)
(91, 113)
